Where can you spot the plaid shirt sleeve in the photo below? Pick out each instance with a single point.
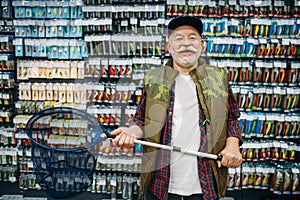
(138, 118)
(233, 129)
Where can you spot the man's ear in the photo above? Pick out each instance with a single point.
(203, 46)
(167, 50)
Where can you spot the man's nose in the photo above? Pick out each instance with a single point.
(186, 42)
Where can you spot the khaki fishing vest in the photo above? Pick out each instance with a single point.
(212, 89)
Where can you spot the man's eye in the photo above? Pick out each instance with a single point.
(178, 39)
(193, 38)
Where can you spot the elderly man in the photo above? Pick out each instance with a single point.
(189, 104)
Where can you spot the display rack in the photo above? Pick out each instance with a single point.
(93, 55)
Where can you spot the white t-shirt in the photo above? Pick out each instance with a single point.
(184, 178)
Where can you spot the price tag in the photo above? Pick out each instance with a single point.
(30, 164)
(113, 182)
(124, 23)
(12, 179)
(133, 20)
(231, 170)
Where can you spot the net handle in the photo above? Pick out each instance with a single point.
(178, 149)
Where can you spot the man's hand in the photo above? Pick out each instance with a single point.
(231, 154)
(125, 136)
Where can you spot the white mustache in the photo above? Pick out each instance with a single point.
(183, 49)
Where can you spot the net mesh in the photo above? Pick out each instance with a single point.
(63, 145)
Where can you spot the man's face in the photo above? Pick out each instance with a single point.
(185, 45)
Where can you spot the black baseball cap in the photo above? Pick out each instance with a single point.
(185, 20)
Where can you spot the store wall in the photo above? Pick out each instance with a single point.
(93, 54)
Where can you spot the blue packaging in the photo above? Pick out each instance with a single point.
(28, 48)
(20, 12)
(84, 50)
(73, 10)
(60, 31)
(49, 12)
(79, 12)
(20, 31)
(66, 52)
(34, 30)
(35, 50)
(66, 12)
(41, 32)
(18, 44)
(28, 12)
(43, 49)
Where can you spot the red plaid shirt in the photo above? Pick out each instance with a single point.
(160, 183)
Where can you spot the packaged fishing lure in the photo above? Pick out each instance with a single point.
(295, 181)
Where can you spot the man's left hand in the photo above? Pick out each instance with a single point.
(231, 154)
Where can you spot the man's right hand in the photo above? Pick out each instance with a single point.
(125, 136)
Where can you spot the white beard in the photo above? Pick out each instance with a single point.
(186, 62)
